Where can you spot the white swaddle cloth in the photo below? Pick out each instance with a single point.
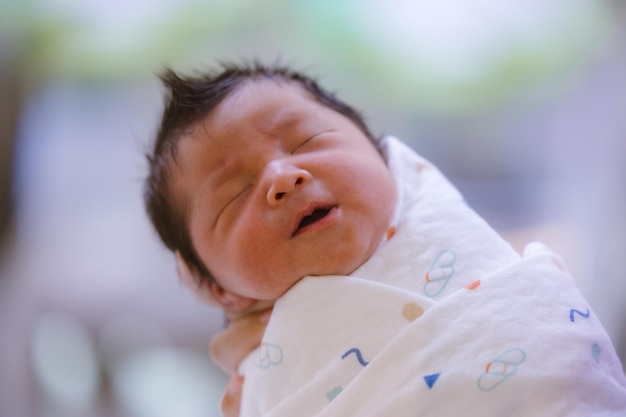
(446, 319)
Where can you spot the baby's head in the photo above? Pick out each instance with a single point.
(259, 177)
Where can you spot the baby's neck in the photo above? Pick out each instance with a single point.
(257, 306)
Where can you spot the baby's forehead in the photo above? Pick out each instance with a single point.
(267, 105)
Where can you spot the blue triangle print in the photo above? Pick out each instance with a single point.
(431, 379)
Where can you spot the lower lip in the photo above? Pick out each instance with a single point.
(320, 224)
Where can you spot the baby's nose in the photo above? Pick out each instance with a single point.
(285, 179)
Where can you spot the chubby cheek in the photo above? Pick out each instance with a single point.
(250, 262)
(375, 202)
(356, 247)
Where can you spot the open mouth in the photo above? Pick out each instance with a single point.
(315, 216)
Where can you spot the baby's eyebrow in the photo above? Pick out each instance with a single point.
(282, 120)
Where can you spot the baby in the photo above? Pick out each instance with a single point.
(262, 182)
(256, 194)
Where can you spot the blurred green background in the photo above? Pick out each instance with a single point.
(520, 103)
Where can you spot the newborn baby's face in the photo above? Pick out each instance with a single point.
(277, 187)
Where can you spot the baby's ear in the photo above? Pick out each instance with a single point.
(210, 293)
(231, 302)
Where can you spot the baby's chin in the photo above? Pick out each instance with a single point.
(349, 262)
(340, 267)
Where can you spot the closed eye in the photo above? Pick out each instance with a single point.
(308, 140)
(232, 200)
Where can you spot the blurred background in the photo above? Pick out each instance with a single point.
(521, 103)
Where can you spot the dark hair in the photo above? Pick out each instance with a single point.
(188, 100)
